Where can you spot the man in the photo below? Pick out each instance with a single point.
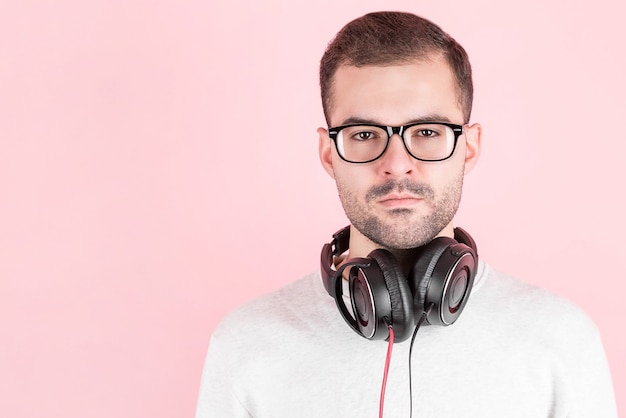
(397, 95)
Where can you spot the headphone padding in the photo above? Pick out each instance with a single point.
(422, 271)
(402, 316)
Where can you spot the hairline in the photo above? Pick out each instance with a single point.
(428, 56)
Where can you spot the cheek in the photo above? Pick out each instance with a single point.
(356, 182)
(446, 171)
(441, 177)
(449, 180)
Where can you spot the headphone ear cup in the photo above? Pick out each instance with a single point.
(402, 313)
(421, 276)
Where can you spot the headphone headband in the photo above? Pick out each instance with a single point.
(338, 246)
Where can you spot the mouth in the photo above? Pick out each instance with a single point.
(397, 200)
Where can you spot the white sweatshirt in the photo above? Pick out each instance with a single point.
(516, 351)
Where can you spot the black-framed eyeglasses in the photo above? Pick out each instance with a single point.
(424, 141)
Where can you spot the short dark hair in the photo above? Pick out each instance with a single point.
(388, 38)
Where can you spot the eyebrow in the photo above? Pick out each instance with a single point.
(433, 117)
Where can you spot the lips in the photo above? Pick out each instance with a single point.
(397, 200)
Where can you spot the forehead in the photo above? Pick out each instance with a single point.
(395, 94)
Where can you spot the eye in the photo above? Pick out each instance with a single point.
(426, 133)
(363, 135)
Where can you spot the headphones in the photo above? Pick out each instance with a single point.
(438, 286)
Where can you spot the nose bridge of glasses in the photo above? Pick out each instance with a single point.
(391, 130)
(396, 130)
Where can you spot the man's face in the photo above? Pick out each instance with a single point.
(398, 202)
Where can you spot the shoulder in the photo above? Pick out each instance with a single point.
(288, 307)
(503, 298)
(276, 328)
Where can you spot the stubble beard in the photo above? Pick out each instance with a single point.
(403, 228)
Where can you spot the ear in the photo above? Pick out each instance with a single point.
(473, 138)
(326, 151)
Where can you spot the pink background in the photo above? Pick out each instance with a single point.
(158, 167)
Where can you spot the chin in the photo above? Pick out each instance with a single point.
(404, 234)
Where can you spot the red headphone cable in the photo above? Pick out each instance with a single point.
(386, 372)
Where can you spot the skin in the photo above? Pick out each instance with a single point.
(397, 202)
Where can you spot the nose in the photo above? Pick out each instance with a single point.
(396, 161)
